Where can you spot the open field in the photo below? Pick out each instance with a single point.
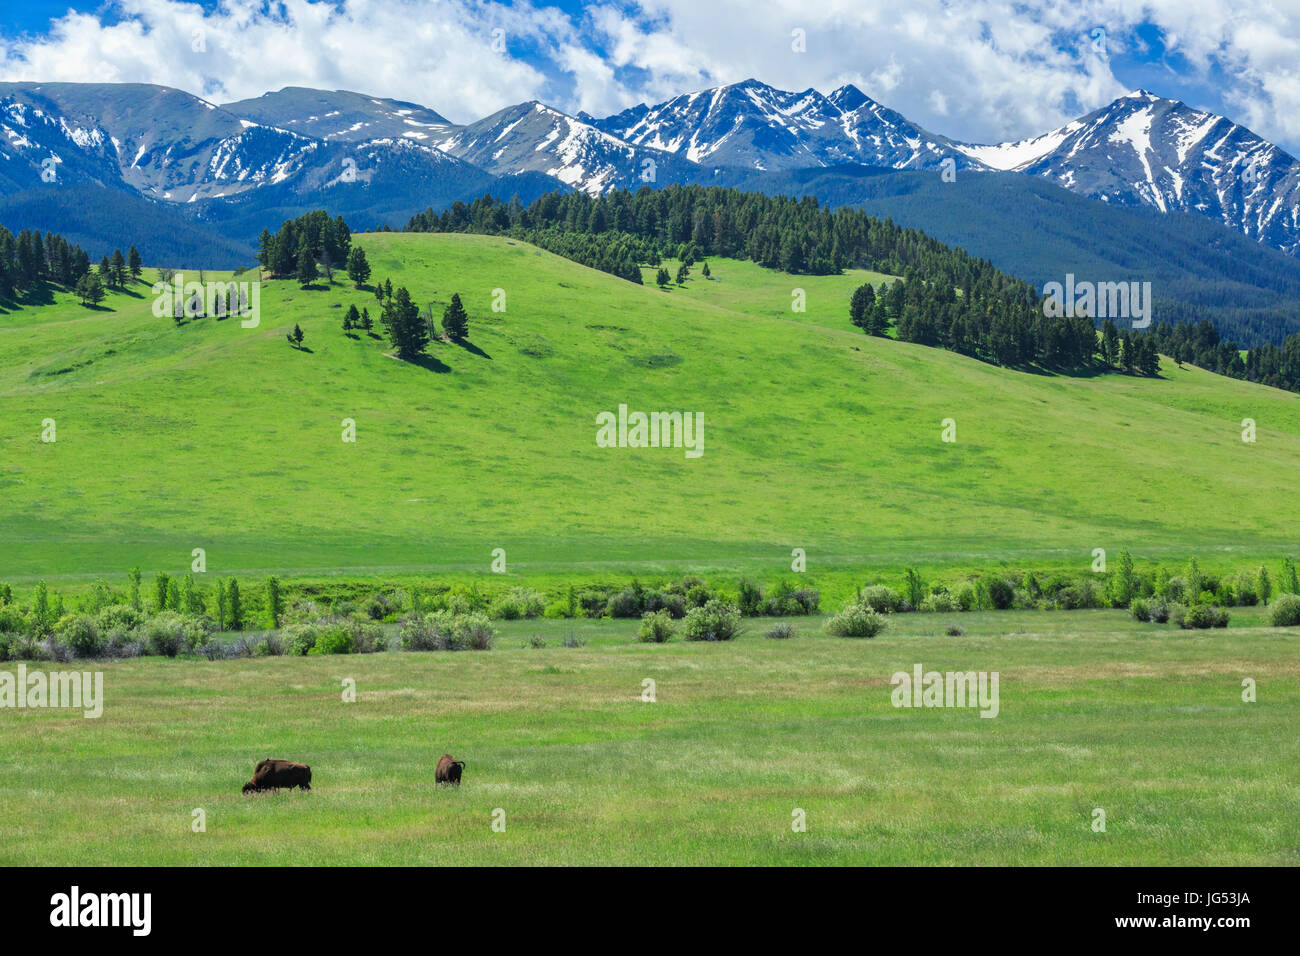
(816, 436)
(1142, 721)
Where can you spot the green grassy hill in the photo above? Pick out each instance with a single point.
(218, 437)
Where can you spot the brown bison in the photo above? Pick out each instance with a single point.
(275, 774)
(448, 770)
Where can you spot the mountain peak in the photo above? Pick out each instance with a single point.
(849, 98)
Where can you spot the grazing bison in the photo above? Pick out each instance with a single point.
(275, 774)
(448, 770)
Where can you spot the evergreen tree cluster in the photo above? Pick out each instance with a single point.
(1199, 344)
(303, 244)
(949, 298)
(30, 259)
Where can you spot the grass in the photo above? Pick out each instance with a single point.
(1142, 721)
(816, 436)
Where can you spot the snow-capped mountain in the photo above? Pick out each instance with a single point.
(173, 147)
(751, 125)
(158, 141)
(532, 137)
(169, 146)
(341, 115)
(1146, 150)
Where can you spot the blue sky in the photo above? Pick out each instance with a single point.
(980, 70)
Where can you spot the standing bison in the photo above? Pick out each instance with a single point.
(448, 770)
(277, 774)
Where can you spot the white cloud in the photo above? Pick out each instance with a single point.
(982, 70)
(437, 54)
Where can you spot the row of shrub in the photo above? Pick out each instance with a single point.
(715, 620)
(1198, 616)
(1117, 588)
(1283, 612)
(120, 631)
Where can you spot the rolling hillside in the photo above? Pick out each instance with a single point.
(214, 436)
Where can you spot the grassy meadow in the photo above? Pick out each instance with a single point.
(214, 436)
(816, 436)
(1096, 711)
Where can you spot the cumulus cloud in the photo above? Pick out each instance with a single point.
(981, 70)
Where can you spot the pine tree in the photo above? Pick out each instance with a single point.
(135, 263)
(118, 267)
(296, 336)
(406, 330)
(236, 607)
(704, 270)
(223, 604)
(133, 576)
(306, 271)
(358, 267)
(1109, 342)
(352, 319)
(42, 616)
(862, 305)
(1286, 582)
(1263, 584)
(274, 601)
(663, 278)
(454, 320)
(367, 322)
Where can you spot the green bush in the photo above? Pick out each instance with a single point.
(1285, 611)
(1140, 609)
(674, 604)
(445, 631)
(80, 634)
(699, 596)
(781, 631)
(475, 632)
(788, 601)
(168, 634)
(592, 602)
(714, 621)
(657, 627)
(300, 638)
(1001, 594)
(518, 604)
(333, 640)
(626, 603)
(881, 599)
(428, 632)
(118, 617)
(1203, 616)
(941, 603)
(749, 597)
(856, 620)
(12, 619)
(967, 600)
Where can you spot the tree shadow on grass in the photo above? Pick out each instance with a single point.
(473, 349)
(431, 364)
